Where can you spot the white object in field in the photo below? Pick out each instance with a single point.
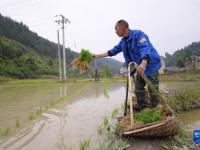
(130, 91)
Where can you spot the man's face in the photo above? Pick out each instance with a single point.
(120, 30)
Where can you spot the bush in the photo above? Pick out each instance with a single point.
(184, 99)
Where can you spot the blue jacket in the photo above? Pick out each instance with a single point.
(139, 47)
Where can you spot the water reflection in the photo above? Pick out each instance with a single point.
(75, 121)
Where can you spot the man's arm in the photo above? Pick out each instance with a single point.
(101, 55)
(114, 51)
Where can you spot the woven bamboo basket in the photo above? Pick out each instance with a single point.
(168, 126)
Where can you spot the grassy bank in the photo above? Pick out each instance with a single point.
(183, 96)
(184, 99)
(181, 141)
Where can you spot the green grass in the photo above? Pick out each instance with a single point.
(105, 121)
(52, 103)
(149, 115)
(106, 89)
(110, 131)
(193, 71)
(181, 141)
(84, 145)
(118, 129)
(106, 92)
(115, 112)
(32, 81)
(17, 123)
(39, 111)
(6, 131)
(100, 129)
(31, 116)
(184, 99)
(4, 79)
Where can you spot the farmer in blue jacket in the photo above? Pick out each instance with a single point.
(137, 47)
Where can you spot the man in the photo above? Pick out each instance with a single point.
(137, 47)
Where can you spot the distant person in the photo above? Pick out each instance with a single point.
(137, 47)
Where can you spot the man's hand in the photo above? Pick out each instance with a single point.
(141, 68)
(94, 56)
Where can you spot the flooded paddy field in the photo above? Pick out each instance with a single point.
(58, 116)
(62, 126)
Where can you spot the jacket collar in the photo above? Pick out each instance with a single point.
(130, 35)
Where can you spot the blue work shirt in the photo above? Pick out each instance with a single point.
(139, 47)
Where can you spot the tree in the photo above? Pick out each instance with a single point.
(180, 63)
(106, 72)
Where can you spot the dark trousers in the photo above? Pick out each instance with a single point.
(141, 93)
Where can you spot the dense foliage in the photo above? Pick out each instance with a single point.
(179, 57)
(17, 60)
(106, 72)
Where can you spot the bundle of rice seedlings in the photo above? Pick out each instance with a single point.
(82, 62)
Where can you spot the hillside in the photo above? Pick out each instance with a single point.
(20, 61)
(25, 54)
(180, 56)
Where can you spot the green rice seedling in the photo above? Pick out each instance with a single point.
(101, 146)
(118, 129)
(13, 98)
(115, 112)
(106, 125)
(149, 115)
(63, 98)
(31, 116)
(111, 140)
(6, 131)
(105, 121)
(100, 129)
(17, 123)
(84, 145)
(52, 104)
(45, 108)
(39, 111)
(106, 92)
(122, 107)
(57, 101)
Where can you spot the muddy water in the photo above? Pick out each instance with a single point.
(70, 122)
(191, 119)
(17, 101)
(65, 126)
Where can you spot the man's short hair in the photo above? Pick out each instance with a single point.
(122, 22)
